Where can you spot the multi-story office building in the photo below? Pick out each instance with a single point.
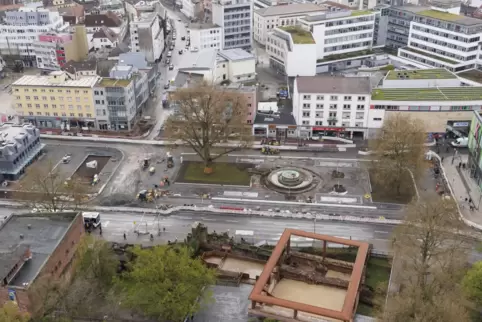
(442, 39)
(338, 37)
(323, 105)
(235, 17)
(192, 8)
(268, 18)
(205, 35)
(147, 36)
(54, 50)
(19, 147)
(398, 25)
(120, 98)
(22, 27)
(437, 97)
(55, 101)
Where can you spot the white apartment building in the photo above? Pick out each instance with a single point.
(191, 8)
(338, 37)
(147, 36)
(444, 40)
(268, 18)
(203, 36)
(323, 105)
(21, 28)
(235, 17)
(292, 51)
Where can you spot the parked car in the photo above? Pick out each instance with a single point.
(183, 38)
(168, 61)
(171, 48)
(167, 85)
(169, 53)
(180, 52)
(171, 67)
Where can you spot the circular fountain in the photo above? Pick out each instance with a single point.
(291, 180)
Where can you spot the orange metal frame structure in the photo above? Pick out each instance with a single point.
(351, 299)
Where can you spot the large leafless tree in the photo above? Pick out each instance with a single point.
(397, 151)
(209, 115)
(430, 257)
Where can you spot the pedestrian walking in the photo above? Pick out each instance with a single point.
(442, 160)
(460, 165)
(125, 237)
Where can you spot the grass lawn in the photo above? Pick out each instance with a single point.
(380, 193)
(223, 173)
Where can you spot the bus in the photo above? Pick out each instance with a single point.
(91, 219)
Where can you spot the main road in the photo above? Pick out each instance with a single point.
(138, 228)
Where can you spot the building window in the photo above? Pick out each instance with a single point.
(42, 90)
(64, 114)
(305, 122)
(334, 98)
(30, 113)
(306, 97)
(377, 118)
(77, 91)
(89, 115)
(44, 98)
(320, 97)
(26, 90)
(34, 90)
(27, 97)
(52, 98)
(77, 99)
(46, 105)
(79, 107)
(39, 113)
(347, 98)
(71, 107)
(35, 98)
(19, 105)
(360, 107)
(72, 114)
(96, 92)
(319, 122)
(319, 106)
(67, 91)
(361, 98)
(59, 91)
(333, 106)
(56, 114)
(29, 105)
(81, 115)
(37, 105)
(346, 106)
(47, 114)
(306, 105)
(306, 114)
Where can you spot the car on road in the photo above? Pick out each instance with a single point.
(171, 67)
(174, 37)
(169, 53)
(168, 61)
(167, 85)
(171, 47)
(183, 38)
(180, 52)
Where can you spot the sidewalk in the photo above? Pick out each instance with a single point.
(464, 187)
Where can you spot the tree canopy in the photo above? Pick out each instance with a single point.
(11, 313)
(398, 148)
(472, 283)
(430, 257)
(49, 190)
(164, 283)
(209, 115)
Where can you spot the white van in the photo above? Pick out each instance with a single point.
(461, 142)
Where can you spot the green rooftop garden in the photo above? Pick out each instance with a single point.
(299, 35)
(345, 56)
(112, 82)
(355, 13)
(428, 94)
(473, 74)
(440, 15)
(438, 73)
(434, 56)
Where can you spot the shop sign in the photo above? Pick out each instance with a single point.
(461, 124)
(272, 126)
(292, 127)
(335, 129)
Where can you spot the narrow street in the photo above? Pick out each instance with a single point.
(167, 75)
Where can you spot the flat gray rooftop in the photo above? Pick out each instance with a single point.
(236, 54)
(43, 236)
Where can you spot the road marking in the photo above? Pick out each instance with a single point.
(285, 157)
(294, 203)
(106, 224)
(234, 221)
(208, 219)
(382, 232)
(240, 194)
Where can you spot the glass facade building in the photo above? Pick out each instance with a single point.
(475, 147)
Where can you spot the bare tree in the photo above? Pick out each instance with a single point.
(431, 258)
(47, 189)
(398, 148)
(207, 116)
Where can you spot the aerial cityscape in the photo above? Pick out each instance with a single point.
(240, 160)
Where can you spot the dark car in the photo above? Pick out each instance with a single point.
(183, 38)
(180, 52)
(171, 67)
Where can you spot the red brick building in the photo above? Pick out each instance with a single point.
(32, 245)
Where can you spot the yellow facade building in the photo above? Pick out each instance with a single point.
(56, 101)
